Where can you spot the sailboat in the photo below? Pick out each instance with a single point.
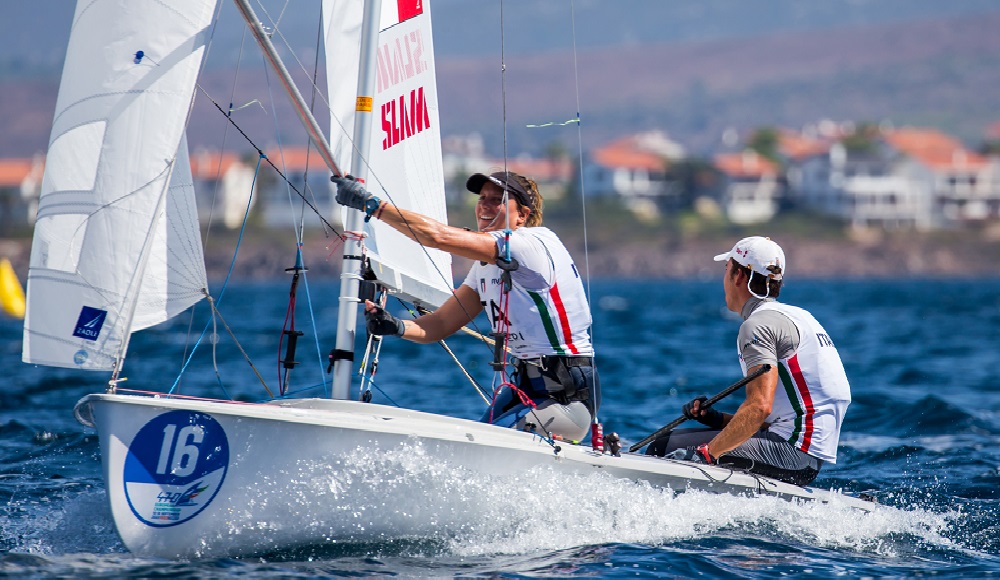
(117, 249)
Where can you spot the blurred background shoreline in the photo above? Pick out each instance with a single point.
(655, 254)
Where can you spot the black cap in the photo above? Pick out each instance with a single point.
(504, 180)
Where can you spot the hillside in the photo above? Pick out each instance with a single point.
(939, 73)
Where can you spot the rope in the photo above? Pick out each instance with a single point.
(329, 226)
(583, 194)
(240, 347)
(479, 389)
(225, 284)
(215, 196)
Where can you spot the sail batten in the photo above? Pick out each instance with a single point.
(116, 236)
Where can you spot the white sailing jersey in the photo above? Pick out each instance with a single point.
(548, 311)
(810, 403)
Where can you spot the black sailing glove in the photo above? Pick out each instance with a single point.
(382, 323)
(708, 417)
(352, 194)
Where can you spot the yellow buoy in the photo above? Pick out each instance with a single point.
(11, 292)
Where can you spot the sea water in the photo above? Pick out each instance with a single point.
(921, 436)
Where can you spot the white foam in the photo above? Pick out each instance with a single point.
(544, 510)
(471, 515)
(80, 523)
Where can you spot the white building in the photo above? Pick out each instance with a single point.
(918, 178)
(751, 188)
(635, 169)
(308, 190)
(222, 185)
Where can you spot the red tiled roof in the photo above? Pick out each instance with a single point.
(745, 164)
(622, 153)
(795, 146)
(297, 159)
(630, 159)
(636, 151)
(541, 170)
(212, 164)
(934, 149)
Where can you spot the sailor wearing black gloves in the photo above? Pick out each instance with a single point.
(706, 416)
(379, 322)
(351, 193)
(546, 318)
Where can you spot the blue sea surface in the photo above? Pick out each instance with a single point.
(922, 436)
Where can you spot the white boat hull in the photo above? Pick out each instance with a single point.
(194, 478)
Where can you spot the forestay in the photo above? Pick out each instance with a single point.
(116, 245)
(404, 159)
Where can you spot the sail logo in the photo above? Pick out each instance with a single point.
(175, 467)
(168, 504)
(409, 8)
(404, 117)
(400, 60)
(89, 323)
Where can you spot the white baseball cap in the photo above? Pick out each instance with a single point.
(759, 254)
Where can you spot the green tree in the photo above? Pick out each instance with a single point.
(764, 141)
(863, 140)
(694, 176)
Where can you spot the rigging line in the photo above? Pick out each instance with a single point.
(579, 144)
(328, 225)
(503, 104)
(583, 204)
(555, 123)
(218, 169)
(276, 30)
(215, 348)
(225, 134)
(274, 114)
(299, 228)
(319, 352)
(281, 146)
(471, 379)
(240, 347)
(225, 282)
(280, 14)
(305, 277)
(444, 345)
(312, 109)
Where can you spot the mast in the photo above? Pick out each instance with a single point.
(347, 317)
(350, 273)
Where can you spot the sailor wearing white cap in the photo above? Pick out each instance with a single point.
(789, 424)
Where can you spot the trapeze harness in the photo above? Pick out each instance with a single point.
(814, 393)
(547, 316)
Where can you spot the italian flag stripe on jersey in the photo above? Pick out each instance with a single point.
(798, 395)
(550, 324)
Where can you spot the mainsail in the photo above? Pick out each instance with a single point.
(403, 162)
(117, 246)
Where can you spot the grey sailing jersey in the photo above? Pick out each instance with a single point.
(767, 336)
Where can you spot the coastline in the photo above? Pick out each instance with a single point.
(857, 254)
